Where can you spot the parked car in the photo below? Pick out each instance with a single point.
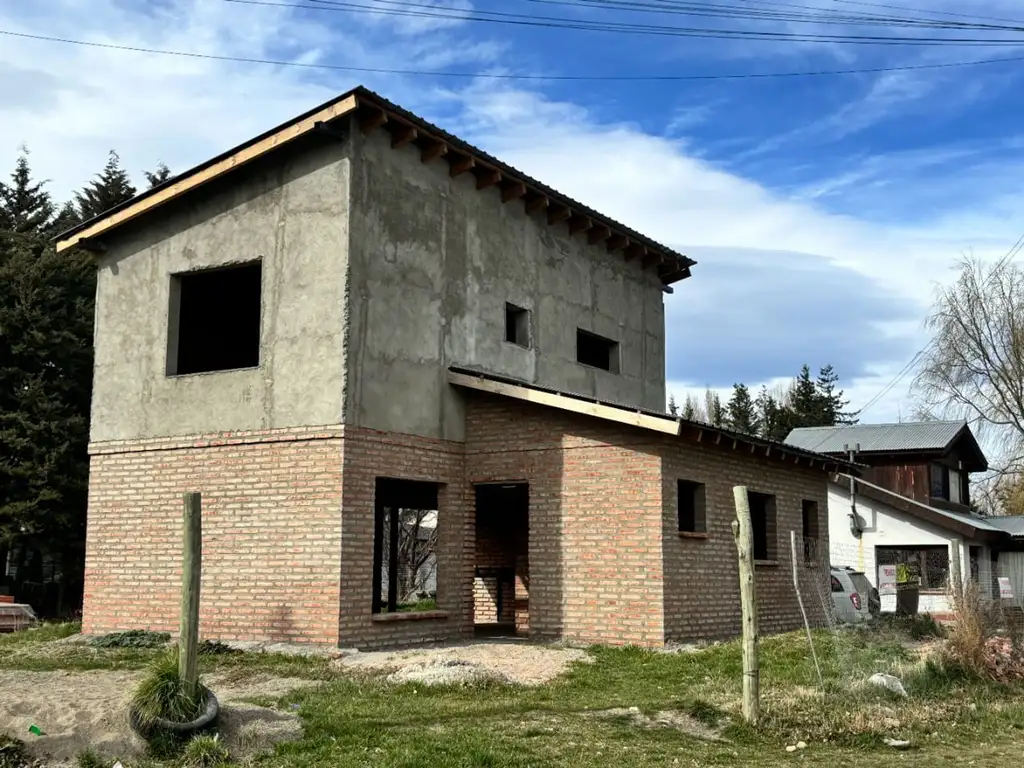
(854, 598)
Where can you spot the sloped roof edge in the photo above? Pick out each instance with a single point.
(484, 381)
(671, 265)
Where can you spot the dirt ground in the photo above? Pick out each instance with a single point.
(79, 710)
(505, 660)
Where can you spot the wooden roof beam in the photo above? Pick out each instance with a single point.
(617, 243)
(488, 178)
(579, 223)
(460, 164)
(513, 192)
(597, 234)
(373, 120)
(537, 203)
(558, 213)
(403, 136)
(635, 250)
(651, 259)
(433, 150)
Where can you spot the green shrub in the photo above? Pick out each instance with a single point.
(133, 638)
(205, 752)
(161, 694)
(89, 759)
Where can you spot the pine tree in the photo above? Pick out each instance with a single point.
(804, 403)
(691, 409)
(830, 399)
(713, 410)
(159, 176)
(25, 205)
(741, 415)
(673, 409)
(111, 187)
(773, 417)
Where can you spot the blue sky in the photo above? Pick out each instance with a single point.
(822, 210)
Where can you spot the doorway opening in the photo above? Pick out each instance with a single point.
(501, 583)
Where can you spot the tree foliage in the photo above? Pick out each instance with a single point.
(46, 320)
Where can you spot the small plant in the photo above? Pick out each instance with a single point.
(89, 759)
(205, 752)
(162, 695)
(924, 626)
(133, 638)
(215, 647)
(13, 753)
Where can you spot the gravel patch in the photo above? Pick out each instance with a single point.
(515, 662)
(79, 710)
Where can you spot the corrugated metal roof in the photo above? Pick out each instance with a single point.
(909, 436)
(1012, 524)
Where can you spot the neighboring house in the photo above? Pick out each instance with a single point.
(911, 506)
(357, 315)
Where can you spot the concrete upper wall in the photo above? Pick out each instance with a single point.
(289, 211)
(433, 262)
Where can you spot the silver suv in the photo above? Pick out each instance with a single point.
(854, 598)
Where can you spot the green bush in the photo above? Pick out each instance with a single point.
(161, 694)
(89, 759)
(133, 638)
(12, 752)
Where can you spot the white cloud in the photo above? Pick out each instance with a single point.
(72, 104)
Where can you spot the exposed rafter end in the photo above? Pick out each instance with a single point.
(767, 450)
(329, 130)
(617, 243)
(734, 441)
(651, 259)
(557, 214)
(514, 192)
(579, 224)
(488, 179)
(718, 438)
(535, 204)
(461, 165)
(634, 250)
(375, 119)
(433, 151)
(404, 136)
(597, 234)
(700, 435)
(91, 245)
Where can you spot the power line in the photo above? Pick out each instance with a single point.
(509, 76)
(404, 9)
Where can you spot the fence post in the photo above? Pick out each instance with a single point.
(191, 571)
(803, 611)
(744, 534)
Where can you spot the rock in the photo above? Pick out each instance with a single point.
(440, 671)
(791, 748)
(888, 682)
(897, 744)
(801, 745)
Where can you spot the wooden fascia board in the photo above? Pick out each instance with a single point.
(221, 167)
(597, 410)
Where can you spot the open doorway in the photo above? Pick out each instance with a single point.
(501, 583)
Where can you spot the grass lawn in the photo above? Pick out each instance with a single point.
(360, 721)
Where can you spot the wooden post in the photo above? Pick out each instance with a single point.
(744, 533)
(191, 570)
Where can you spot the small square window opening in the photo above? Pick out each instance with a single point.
(517, 325)
(214, 320)
(690, 507)
(597, 351)
(762, 518)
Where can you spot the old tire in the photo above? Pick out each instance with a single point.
(149, 730)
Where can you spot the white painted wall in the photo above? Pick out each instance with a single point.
(888, 527)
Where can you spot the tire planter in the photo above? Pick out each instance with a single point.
(179, 731)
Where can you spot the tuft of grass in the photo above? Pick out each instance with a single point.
(705, 712)
(87, 758)
(133, 638)
(205, 751)
(216, 648)
(12, 752)
(161, 694)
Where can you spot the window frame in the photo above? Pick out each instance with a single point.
(519, 319)
(696, 493)
(767, 505)
(611, 347)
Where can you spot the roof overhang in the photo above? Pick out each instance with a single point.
(371, 112)
(691, 431)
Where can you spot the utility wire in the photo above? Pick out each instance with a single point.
(509, 76)
(406, 9)
(921, 10)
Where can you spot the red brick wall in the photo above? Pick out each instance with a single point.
(595, 517)
(271, 534)
(370, 454)
(702, 575)
(495, 552)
